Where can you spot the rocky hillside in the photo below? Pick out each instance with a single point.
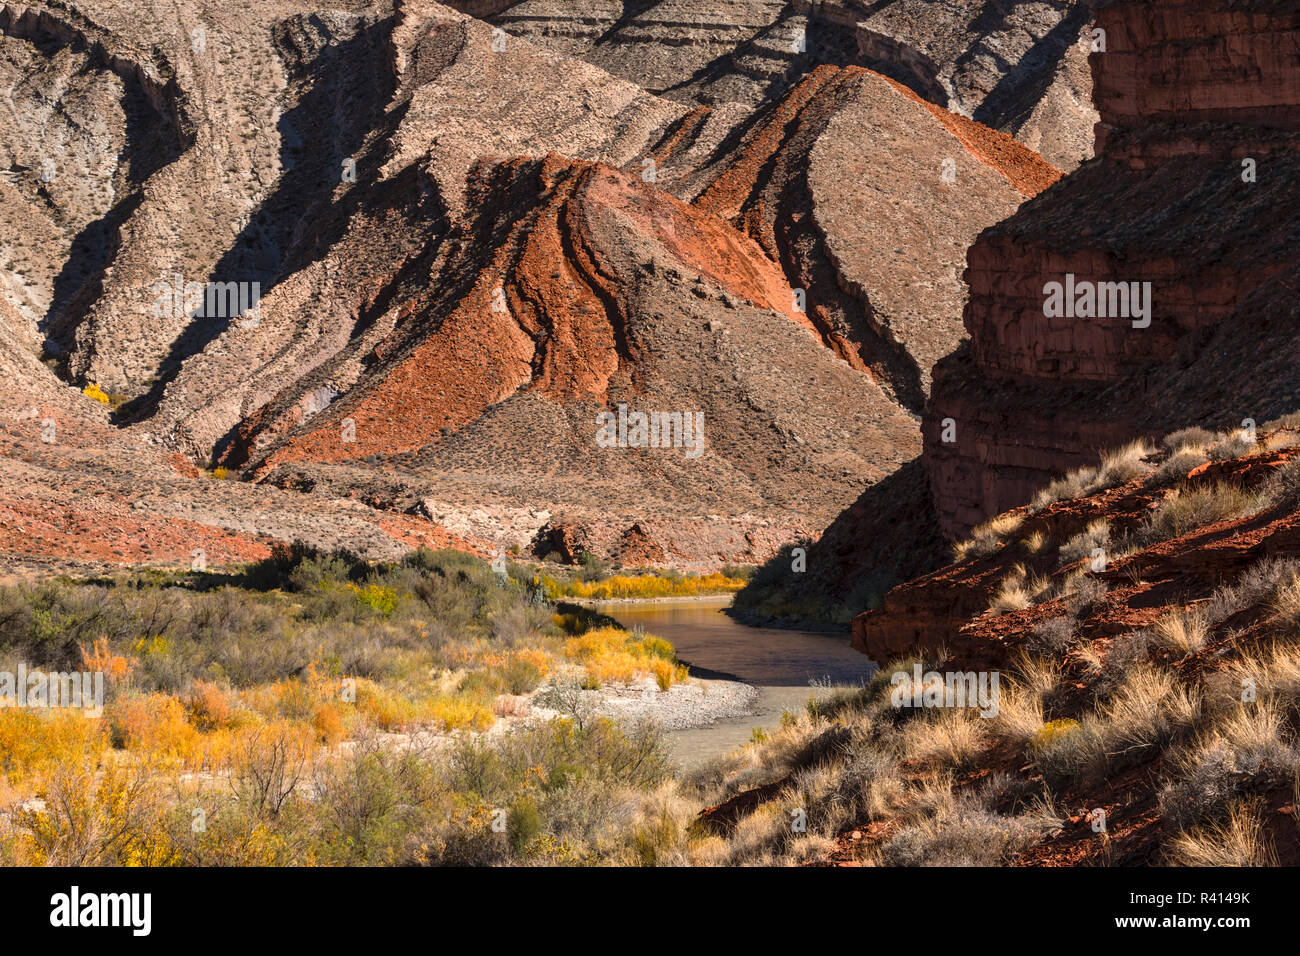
(1020, 68)
(1139, 622)
(398, 258)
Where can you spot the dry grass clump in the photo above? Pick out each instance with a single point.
(1245, 749)
(1290, 421)
(1188, 438)
(1234, 445)
(1238, 841)
(1266, 582)
(1186, 509)
(1184, 630)
(1036, 542)
(1038, 676)
(1020, 716)
(1284, 486)
(1054, 635)
(960, 830)
(1122, 465)
(1018, 591)
(1271, 675)
(1117, 466)
(950, 736)
(1073, 485)
(988, 537)
(1082, 545)
(1180, 463)
(1147, 710)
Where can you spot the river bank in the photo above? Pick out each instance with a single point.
(782, 669)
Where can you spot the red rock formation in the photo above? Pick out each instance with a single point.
(949, 608)
(543, 311)
(1192, 61)
(885, 294)
(1173, 206)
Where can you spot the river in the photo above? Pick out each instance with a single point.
(787, 667)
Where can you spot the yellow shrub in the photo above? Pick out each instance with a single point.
(296, 700)
(100, 657)
(388, 710)
(94, 391)
(328, 722)
(457, 713)
(209, 706)
(31, 741)
(535, 657)
(153, 723)
(610, 654)
(377, 597)
(97, 814)
(1052, 731)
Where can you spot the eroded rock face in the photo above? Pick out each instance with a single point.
(1017, 67)
(1180, 207)
(949, 609)
(469, 238)
(1189, 62)
(868, 196)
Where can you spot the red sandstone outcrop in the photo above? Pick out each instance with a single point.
(949, 608)
(872, 228)
(1180, 207)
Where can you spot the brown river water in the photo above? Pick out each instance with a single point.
(787, 667)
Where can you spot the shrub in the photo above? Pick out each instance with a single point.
(966, 834)
(378, 597)
(1180, 464)
(614, 655)
(1054, 634)
(1096, 535)
(1284, 487)
(953, 738)
(1052, 733)
(1072, 485)
(328, 724)
(208, 705)
(1184, 630)
(1187, 438)
(1122, 465)
(1187, 509)
(94, 391)
(1017, 591)
(155, 723)
(1244, 751)
(1231, 446)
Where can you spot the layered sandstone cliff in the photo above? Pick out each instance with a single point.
(1191, 194)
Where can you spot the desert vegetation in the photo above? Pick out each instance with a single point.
(319, 709)
(316, 709)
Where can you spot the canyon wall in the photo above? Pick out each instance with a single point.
(1191, 192)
